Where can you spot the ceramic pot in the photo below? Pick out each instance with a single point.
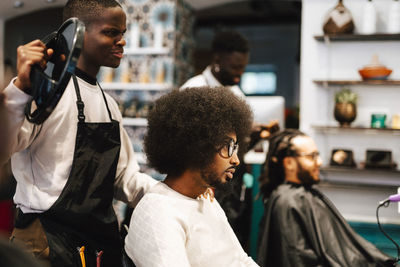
(338, 20)
(345, 113)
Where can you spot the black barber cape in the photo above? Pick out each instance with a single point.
(301, 227)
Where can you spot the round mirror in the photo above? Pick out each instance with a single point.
(48, 85)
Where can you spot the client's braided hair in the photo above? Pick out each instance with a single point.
(273, 173)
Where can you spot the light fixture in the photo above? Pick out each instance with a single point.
(49, 1)
(18, 4)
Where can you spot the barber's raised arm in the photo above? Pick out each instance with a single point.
(15, 136)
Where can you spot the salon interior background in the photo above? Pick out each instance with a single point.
(271, 26)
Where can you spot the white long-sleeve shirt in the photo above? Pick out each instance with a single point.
(42, 155)
(169, 229)
(206, 78)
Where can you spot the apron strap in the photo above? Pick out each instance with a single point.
(104, 96)
(79, 103)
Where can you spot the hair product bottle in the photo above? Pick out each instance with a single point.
(393, 25)
(369, 19)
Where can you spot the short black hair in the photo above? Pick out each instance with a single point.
(86, 10)
(187, 127)
(229, 41)
(280, 146)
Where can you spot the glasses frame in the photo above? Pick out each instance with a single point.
(313, 155)
(231, 147)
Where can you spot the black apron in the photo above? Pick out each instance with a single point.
(83, 214)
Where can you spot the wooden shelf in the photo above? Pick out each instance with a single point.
(136, 86)
(358, 37)
(356, 82)
(338, 129)
(361, 176)
(350, 170)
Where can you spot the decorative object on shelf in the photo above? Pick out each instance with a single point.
(368, 25)
(338, 20)
(379, 159)
(158, 35)
(345, 110)
(393, 25)
(375, 70)
(342, 157)
(378, 120)
(106, 74)
(396, 121)
(134, 36)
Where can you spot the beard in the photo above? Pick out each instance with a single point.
(306, 177)
(225, 78)
(214, 180)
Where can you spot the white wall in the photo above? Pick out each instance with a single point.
(341, 61)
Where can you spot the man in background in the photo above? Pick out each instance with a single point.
(300, 226)
(230, 57)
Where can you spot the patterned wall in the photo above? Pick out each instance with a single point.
(184, 43)
(175, 18)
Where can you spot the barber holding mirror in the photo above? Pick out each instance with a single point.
(71, 162)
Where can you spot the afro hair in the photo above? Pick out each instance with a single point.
(186, 127)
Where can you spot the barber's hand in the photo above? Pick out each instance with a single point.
(28, 55)
(262, 131)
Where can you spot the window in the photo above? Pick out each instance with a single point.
(258, 79)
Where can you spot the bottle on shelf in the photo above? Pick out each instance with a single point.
(125, 73)
(158, 35)
(106, 75)
(393, 24)
(368, 25)
(144, 76)
(160, 73)
(134, 36)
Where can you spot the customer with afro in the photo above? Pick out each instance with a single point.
(193, 136)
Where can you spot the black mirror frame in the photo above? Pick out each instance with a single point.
(57, 89)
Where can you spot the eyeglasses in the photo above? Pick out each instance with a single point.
(313, 155)
(228, 149)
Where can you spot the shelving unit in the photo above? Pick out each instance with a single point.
(329, 62)
(361, 176)
(356, 130)
(326, 83)
(155, 61)
(357, 37)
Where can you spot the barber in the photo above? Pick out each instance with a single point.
(70, 167)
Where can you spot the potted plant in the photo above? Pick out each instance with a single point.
(345, 107)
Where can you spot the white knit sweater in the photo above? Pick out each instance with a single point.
(170, 229)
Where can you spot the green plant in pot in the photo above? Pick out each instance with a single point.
(345, 107)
